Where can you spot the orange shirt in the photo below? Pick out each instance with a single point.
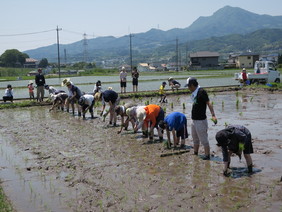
(152, 111)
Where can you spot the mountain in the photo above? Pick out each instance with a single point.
(233, 20)
(226, 21)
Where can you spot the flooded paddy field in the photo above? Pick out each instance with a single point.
(52, 161)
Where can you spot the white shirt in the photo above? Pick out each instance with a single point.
(123, 76)
(9, 92)
(88, 99)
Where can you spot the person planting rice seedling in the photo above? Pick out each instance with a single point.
(173, 84)
(121, 111)
(53, 90)
(150, 116)
(74, 95)
(58, 100)
(87, 103)
(111, 97)
(235, 139)
(176, 123)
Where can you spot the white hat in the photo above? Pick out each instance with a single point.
(141, 114)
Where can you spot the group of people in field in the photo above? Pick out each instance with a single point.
(234, 139)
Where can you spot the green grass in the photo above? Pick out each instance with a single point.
(19, 104)
(275, 86)
(5, 205)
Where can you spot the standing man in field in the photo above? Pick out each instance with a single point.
(135, 76)
(40, 82)
(199, 126)
(122, 76)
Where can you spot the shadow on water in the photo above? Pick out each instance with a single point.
(213, 158)
(238, 172)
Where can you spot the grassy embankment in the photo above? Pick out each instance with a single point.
(5, 205)
(275, 87)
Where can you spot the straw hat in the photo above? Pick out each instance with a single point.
(64, 82)
(97, 96)
(30, 82)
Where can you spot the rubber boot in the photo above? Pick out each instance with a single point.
(250, 168)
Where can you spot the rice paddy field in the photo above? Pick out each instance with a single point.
(53, 161)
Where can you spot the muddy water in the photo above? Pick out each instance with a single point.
(92, 168)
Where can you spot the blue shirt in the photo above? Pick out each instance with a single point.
(175, 120)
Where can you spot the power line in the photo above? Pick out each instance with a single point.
(28, 33)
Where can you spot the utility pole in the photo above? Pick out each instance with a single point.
(65, 53)
(176, 56)
(58, 45)
(130, 50)
(85, 44)
(180, 59)
(187, 54)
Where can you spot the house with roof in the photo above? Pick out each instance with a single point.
(204, 60)
(270, 57)
(246, 60)
(31, 63)
(142, 67)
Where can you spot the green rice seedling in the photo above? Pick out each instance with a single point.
(251, 99)
(184, 106)
(237, 94)
(30, 187)
(164, 109)
(237, 104)
(240, 114)
(212, 103)
(123, 103)
(171, 105)
(222, 104)
(225, 124)
(241, 146)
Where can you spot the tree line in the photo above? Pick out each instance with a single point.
(13, 58)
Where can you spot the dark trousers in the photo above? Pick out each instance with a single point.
(8, 98)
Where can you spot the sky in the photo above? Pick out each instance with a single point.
(95, 18)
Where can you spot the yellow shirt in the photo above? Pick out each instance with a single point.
(161, 90)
